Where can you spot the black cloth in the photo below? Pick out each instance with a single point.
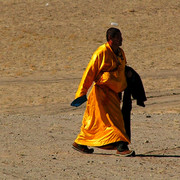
(136, 90)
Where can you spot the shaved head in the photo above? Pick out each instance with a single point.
(111, 33)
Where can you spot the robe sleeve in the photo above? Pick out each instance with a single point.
(89, 75)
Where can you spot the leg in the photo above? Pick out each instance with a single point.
(112, 146)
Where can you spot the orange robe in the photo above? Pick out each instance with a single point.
(103, 121)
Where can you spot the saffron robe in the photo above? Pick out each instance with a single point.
(103, 121)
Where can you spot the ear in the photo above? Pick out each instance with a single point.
(109, 37)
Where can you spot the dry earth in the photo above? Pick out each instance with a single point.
(45, 47)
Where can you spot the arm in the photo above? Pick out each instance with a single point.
(89, 76)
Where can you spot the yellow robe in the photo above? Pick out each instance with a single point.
(103, 121)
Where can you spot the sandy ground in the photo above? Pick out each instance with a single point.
(45, 47)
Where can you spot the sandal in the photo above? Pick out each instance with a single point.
(82, 148)
(126, 153)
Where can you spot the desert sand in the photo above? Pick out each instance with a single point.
(45, 47)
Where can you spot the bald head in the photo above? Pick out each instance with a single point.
(114, 38)
(111, 33)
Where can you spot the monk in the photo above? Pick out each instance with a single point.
(103, 125)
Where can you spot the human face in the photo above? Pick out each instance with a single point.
(117, 40)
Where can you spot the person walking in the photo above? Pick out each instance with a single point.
(103, 124)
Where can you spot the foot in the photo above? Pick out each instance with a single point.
(82, 148)
(126, 153)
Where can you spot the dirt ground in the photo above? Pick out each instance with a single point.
(45, 47)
